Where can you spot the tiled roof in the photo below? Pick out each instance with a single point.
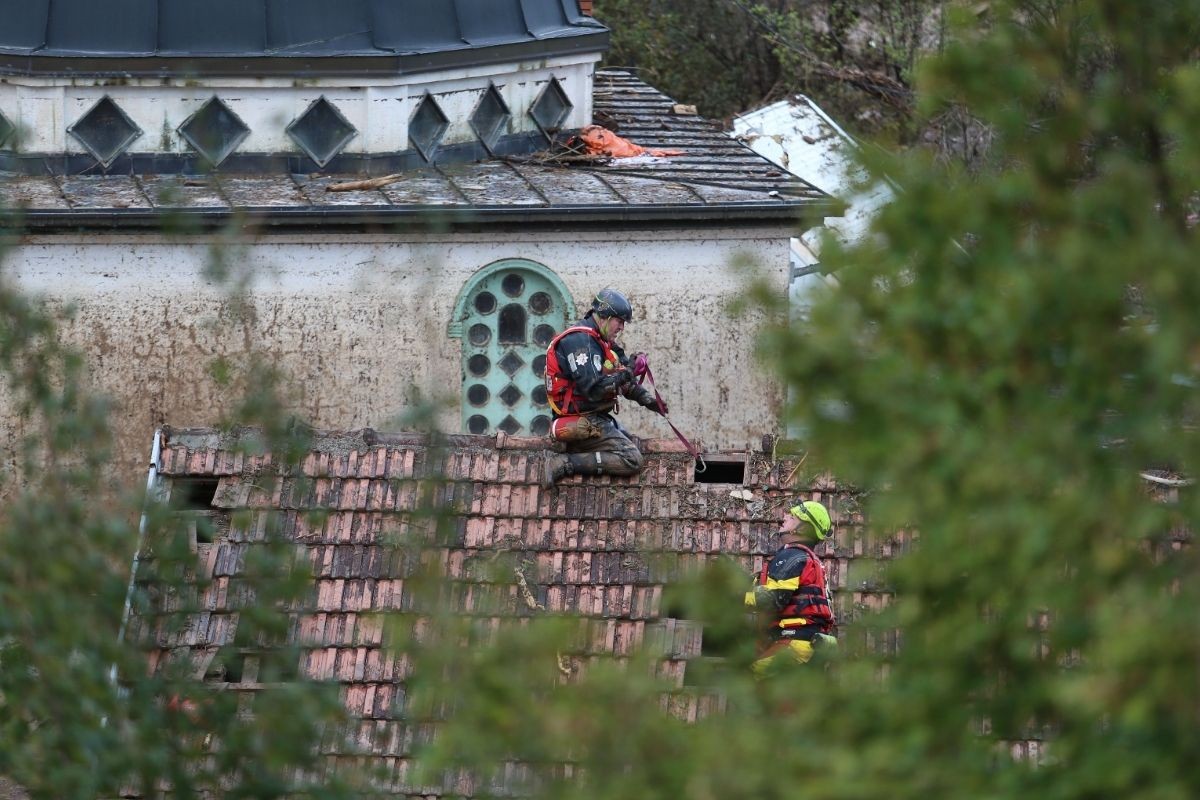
(601, 548)
(717, 179)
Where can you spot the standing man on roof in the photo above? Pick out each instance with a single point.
(586, 373)
(790, 592)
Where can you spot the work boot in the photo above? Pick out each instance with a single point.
(558, 466)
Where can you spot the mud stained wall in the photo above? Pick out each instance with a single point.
(359, 323)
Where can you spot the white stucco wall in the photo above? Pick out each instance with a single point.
(379, 108)
(359, 322)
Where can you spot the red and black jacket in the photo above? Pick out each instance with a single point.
(585, 374)
(792, 585)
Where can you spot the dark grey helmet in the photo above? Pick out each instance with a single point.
(611, 303)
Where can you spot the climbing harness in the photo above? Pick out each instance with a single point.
(560, 391)
(641, 371)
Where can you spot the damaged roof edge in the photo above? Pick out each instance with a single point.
(423, 217)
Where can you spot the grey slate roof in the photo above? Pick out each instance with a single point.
(717, 179)
(138, 37)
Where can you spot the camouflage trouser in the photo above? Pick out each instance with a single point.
(611, 453)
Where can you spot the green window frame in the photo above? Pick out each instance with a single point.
(505, 316)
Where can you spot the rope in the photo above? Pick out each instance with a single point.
(641, 371)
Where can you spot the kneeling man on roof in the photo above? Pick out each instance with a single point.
(586, 374)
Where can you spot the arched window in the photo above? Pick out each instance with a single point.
(506, 315)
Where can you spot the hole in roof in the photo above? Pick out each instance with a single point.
(477, 424)
(479, 334)
(540, 425)
(194, 494)
(539, 364)
(512, 324)
(513, 284)
(478, 394)
(485, 302)
(226, 668)
(540, 303)
(203, 530)
(721, 471)
(539, 395)
(478, 365)
(543, 335)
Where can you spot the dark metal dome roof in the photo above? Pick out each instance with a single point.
(204, 36)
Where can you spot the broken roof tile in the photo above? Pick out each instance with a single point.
(600, 550)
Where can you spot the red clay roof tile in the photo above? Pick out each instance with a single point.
(583, 547)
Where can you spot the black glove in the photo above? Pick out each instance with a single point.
(644, 397)
(623, 378)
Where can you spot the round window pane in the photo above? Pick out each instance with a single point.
(513, 284)
(540, 303)
(540, 425)
(539, 395)
(477, 424)
(485, 302)
(539, 366)
(478, 394)
(543, 334)
(478, 365)
(479, 334)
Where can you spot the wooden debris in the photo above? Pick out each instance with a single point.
(369, 183)
(679, 110)
(553, 159)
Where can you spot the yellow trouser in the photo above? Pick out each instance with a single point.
(783, 652)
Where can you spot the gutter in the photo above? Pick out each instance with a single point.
(152, 492)
(422, 218)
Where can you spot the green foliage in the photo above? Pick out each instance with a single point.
(1001, 364)
(710, 53)
(998, 365)
(80, 717)
(857, 58)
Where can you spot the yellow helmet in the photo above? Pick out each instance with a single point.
(814, 514)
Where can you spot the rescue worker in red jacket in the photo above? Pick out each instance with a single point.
(586, 373)
(791, 595)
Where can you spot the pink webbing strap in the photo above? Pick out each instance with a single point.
(641, 371)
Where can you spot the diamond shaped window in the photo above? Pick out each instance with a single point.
(427, 127)
(511, 363)
(490, 117)
(321, 131)
(509, 425)
(511, 395)
(7, 129)
(551, 108)
(214, 131)
(105, 130)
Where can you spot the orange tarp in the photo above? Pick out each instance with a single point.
(600, 141)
